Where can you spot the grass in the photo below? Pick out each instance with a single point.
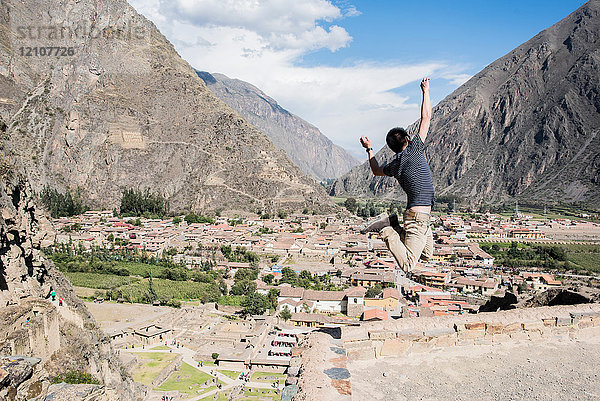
(230, 373)
(97, 280)
(262, 377)
(232, 300)
(167, 289)
(208, 363)
(148, 370)
(187, 380)
(257, 394)
(161, 348)
(222, 396)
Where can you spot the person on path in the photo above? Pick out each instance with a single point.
(53, 295)
(409, 166)
(60, 301)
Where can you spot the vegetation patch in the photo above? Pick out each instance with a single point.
(188, 380)
(230, 373)
(578, 257)
(151, 364)
(97, 280)
(75, 377)
(252, 393)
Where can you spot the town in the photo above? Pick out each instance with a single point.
(297, 273)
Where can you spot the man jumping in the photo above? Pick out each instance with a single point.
(411, 169)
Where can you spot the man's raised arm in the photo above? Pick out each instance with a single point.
(425, 110)
(366, 143)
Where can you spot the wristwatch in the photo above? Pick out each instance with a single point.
(369, 149)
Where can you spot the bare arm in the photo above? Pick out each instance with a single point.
(375, 168)
(425, 110)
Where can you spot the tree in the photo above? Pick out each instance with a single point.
(285, 313)
(135, 202)
(176, 220)
(254, 304)
(214, 355)
(268, 279)
(192, 218)
(305, 308)
(289, 276)
(374, 291)
(243, 287)
(61, 205)
(273, 294)
(351, 205)
(305, 274)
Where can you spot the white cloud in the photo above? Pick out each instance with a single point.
(457, 79)
(261, 42)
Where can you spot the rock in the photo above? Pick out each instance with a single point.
(17, 368)
(74, 392)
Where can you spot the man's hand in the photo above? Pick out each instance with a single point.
(425, 85)
(365, 142)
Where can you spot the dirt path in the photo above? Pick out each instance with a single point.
(542, 371)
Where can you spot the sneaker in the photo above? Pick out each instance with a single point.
(374, 226)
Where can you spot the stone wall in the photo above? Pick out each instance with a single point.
(34, 329)
(410, 335)
(164, 374)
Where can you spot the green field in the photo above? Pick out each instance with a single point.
(161, 348)
(222, 396)
(579, 256)
(233, 300)
(151, 363)
(166, 289)
(252, 394)
(97, 280)
(230, 373)
(586, 261)
(142, 269)
(266, 376)
(187, 380)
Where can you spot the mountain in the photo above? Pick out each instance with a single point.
(526, 126)
(97, 98)
(39, 339)
(304, 144)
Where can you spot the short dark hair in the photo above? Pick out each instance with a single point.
(396, 139)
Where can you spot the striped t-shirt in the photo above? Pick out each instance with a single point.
(411, 170)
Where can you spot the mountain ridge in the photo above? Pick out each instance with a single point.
(305, 145)
(125, 111)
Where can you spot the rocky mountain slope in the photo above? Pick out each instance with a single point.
(97, 98)
(304, 144)
(39, 339)
(526, 126)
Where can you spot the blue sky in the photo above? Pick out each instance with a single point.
(351, 68)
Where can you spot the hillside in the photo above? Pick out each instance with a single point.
(39, 339)
(304, 144)
(114, 107)
(526, 126)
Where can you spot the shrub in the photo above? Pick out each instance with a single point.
(75, 377)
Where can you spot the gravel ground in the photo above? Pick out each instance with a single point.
(547, 371)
